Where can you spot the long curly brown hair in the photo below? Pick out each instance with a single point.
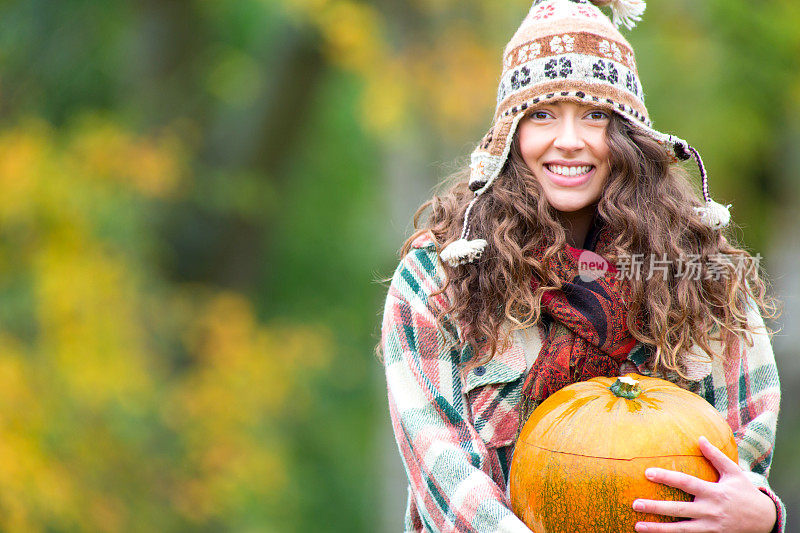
(648, 203)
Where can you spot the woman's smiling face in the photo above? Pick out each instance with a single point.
(564, 145)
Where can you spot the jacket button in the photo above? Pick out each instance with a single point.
(480, 370)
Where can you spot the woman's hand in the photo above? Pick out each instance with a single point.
(732, 504)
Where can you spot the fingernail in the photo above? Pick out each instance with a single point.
(638, 506)
(650, 473)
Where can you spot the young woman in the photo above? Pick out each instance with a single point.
(492, 309)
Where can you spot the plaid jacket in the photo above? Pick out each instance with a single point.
(455, 432)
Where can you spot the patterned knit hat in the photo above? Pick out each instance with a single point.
(568, 50)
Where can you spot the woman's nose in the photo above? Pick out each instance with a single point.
(568, 137)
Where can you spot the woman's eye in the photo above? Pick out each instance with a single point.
(539, 115)
(598, 115)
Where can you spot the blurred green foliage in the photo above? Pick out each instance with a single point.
(193, 208)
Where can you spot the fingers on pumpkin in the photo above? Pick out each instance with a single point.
(669, 527)
(667, 508)
(721, 462)
(679, 480)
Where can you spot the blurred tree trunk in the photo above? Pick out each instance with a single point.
(261, 137)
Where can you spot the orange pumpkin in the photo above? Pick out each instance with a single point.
(580, 458)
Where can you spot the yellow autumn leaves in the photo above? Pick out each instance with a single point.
(241, 389)
(101, 427)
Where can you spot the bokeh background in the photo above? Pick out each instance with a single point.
(197, 198)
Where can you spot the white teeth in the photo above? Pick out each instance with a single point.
(570, 171)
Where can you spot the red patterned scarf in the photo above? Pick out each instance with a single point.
(588, 336)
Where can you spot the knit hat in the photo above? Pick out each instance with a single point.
(568, 50)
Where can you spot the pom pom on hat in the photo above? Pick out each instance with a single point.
(462, 251)
(625, 12)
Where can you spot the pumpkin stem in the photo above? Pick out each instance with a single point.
(626, 387)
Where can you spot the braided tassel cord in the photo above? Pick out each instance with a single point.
(713, 214)
(463, 250)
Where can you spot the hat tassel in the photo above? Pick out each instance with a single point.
(463, 250)
(713, 214)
